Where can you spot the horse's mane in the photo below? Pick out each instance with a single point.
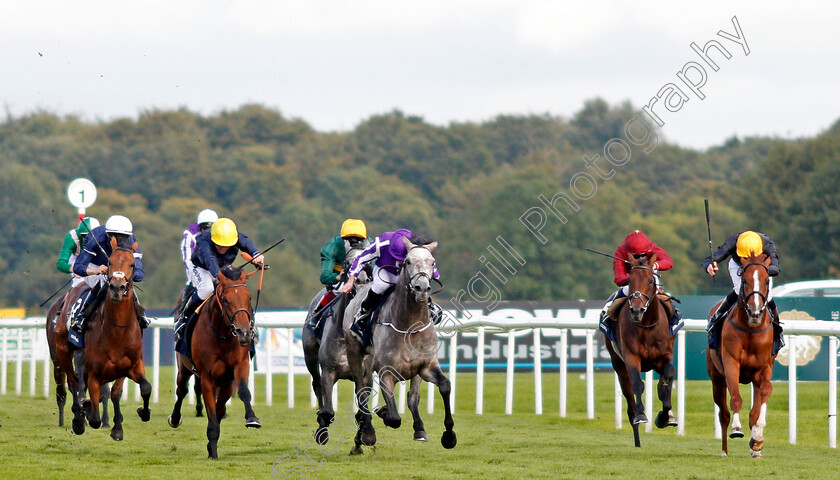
(231, 272)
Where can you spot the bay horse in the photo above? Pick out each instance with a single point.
(220, 345)
(113, 347)
(643, 342)
(745, 356)
(58, 374)
(405, 345)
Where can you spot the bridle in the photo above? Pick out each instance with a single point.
(229, 317)
(410, 280)
(638, 294)
(745, 297)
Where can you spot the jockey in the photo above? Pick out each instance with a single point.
(92, 263)
(388, 249)
(73, 242)
(353, 234)
(204, 220)
(214, 249)
(735, 247)
(636, 243)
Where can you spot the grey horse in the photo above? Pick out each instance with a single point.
(405, 345)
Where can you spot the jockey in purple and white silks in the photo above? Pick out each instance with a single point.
(388, 249)
(203, 221)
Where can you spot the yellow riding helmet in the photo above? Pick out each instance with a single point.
(353, 227)
(749, 243)
(223, 232)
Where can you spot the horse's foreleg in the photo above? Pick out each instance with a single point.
(633, 365)
(116, 393)
(241, 376)
(326, 413)
(93, 407)
(181, 390)
(719, 397)
(389, 414)
(104, 396)
(758, 414)
(413, 404)
(366, 434)
(138, 375)
(435, 375)
(208, 389)
(666, 418)
(732, 371)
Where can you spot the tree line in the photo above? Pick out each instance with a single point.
(464, 184)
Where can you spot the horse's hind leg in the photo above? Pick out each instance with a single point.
(60, 391)
(326, 414)
(758, 414)
(138, 374)
(208, 389)
(199, 407)
(116, 393)
(79, 393)
(666, 418)
(181, 389)
(413, 404)
(435, 375)
(626, 390)
(719, 397)
(104, 396)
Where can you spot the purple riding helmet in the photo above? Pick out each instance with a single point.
(397, 247)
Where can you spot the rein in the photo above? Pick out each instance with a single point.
(744, 299)
(121, 274)
(639, 295)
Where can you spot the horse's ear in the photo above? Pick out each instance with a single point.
(113, 243)
(743, 260)
(766, 260)
(135, 246)
(652, 259)
(432, 246)
(407, 243)
(630, 257)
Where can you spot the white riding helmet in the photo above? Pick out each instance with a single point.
(206, 216)
(118, 224)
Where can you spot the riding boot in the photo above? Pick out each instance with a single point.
(80, 310)
(361, 321)
(140, 311)
(189, 309)
(722, 309)
(774, 312)
(315, 317)
(676, 321)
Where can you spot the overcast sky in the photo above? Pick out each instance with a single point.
(335, 63)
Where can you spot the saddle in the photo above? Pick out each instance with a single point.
(78, 339)
(321, 316)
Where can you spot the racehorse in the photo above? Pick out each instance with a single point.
(643, 342)
(59, 375)
(220, 345)
(113, 347)
(745, 356)
(405, 345)
(312, 342)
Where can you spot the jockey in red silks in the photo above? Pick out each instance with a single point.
(636, 244)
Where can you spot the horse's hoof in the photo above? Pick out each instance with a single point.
(420, 436)
(144, 413)
(356, 450)
(448, 439)
(322, 436)
(756, 445)
(392, 423)
(117, 435)
(369, 439)
(95, 424)
(78, 426)
(640, 418)
(211, 453)
(661, 420)
(253, 422)
(174, 424)
(736, 433)
(755, 453)
(106, 424)
(199, 412)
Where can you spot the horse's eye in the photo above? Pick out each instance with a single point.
(408, 262)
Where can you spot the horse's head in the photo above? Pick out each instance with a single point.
(120, 269)
(364, 276)
(642, 287)
(419, 268)
(234, 300)
(755, 285)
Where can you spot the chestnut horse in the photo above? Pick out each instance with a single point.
(113, 347)
(220, 344)
(745, 356)
(643, 342)
(58, 374)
